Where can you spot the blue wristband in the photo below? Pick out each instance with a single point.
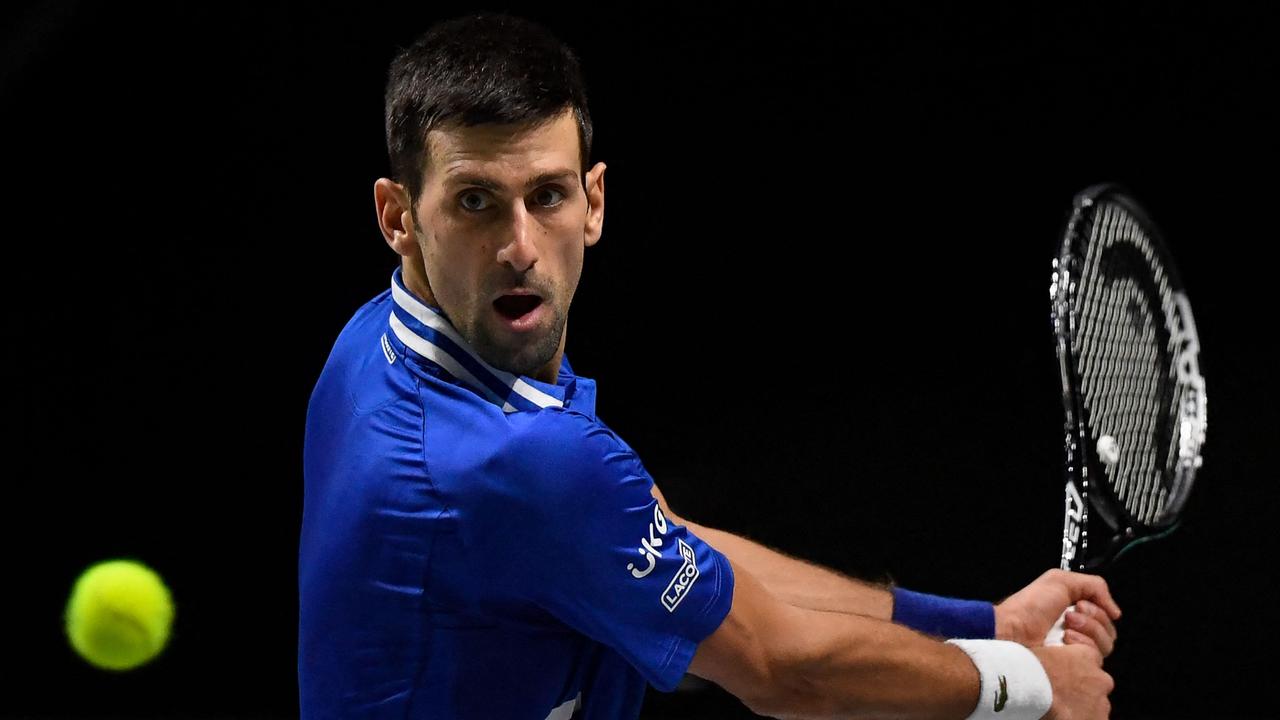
(944, 617)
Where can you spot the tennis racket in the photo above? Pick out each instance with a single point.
(1132, 390)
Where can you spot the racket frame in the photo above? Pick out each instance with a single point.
(1081, 494)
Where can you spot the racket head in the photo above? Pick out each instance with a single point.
(1133, 394)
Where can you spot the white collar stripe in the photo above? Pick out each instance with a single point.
(428, 316)
(445, 343)
(438, 356)
(457, 353)
(534, 395)
(444, 360)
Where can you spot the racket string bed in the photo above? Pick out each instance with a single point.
(1123, 354)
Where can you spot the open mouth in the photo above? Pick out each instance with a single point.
(514, 307)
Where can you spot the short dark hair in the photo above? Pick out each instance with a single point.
(487, 68)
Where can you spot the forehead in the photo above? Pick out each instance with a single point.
(503, 151)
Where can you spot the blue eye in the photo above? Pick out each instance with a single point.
(474, 201)
(556, 197)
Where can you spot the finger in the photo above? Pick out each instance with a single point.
(1076, 639)
(1088, 626)
(1098, 614)
(1094, 588)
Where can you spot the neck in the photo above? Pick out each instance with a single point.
(415, 280)
(550, 372)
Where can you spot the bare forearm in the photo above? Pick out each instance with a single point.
(860, 667)
(791, 662)
(800, 583)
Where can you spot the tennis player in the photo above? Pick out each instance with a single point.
(478, 543)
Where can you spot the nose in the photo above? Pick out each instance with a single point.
(520, 252)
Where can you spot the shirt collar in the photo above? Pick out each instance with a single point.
(426, 331)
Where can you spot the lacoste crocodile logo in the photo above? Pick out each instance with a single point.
(1002, 696)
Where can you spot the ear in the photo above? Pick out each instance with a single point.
(595, 204)
(395, 217)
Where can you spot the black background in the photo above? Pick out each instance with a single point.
(819, 310)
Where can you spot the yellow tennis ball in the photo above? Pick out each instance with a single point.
(119, 615)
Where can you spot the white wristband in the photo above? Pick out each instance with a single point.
(1014, 684)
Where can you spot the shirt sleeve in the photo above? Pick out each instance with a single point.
(567, 521)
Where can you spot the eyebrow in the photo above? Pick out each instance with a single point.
(486, 183)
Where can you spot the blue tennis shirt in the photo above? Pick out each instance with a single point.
(477, 544)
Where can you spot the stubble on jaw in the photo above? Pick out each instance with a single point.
(525, 359)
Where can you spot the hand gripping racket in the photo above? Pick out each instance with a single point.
(1131, 385)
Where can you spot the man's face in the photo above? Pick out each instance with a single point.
(502, 221)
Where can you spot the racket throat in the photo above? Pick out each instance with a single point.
(1075, 533)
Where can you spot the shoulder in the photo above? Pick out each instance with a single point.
(532, 467)
(359, 375)
(560, 450)
(369, 320)
(560, 435)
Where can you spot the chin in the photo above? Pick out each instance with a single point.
(527, 359)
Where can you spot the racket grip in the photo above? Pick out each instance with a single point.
(1054, 637)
